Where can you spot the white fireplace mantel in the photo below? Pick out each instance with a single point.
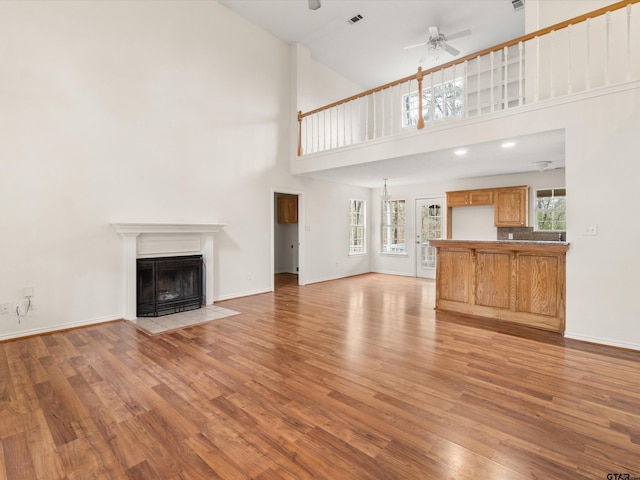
(141, 240)
(159, 228)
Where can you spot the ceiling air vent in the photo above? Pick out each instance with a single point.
(517, 4)
(355, 19)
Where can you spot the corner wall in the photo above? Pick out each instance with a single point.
(134, 111)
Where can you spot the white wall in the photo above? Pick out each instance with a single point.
(473, 223)
(603, 304)
(327, 234)
(128, 111)
(544, 13)
(317, 85)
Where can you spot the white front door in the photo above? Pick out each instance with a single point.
(430, 218)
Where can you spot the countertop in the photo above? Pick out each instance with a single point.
(508, 242)
(513, 245)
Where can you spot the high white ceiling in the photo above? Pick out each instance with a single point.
(370, 53)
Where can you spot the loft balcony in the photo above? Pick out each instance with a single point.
(581, 56)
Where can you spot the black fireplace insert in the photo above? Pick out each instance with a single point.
(169, 285)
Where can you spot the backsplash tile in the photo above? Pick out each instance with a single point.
(527, 233)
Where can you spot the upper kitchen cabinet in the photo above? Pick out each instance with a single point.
(511, 206)
(468, 198)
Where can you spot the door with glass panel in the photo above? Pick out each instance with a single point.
(430, 218)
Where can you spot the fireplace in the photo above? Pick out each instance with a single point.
(168, 285)
(153, 240)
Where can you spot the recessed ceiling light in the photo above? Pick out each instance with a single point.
(460, 152)
(508, 144)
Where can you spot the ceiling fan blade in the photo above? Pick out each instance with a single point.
(433, 32)
(414, 46)
(314, 4)
(423, 58)
(461, 34)
(451, 50)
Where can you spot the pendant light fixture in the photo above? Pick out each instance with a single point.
(385, 197)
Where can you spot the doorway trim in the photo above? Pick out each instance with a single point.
(418, 228)
(301, 230)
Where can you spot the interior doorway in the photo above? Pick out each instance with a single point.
(286, 239)
(430, 225)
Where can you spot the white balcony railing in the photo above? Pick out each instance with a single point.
(598, 49)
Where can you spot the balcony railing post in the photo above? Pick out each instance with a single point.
(299, 133)
(420, 116)
(607, 52)
(570, 61)
(505, 100)
(628, 42)
(520, 74)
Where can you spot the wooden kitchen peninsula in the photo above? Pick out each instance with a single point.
(513, 281)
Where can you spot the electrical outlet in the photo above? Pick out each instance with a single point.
(591, 230)
(5, 308)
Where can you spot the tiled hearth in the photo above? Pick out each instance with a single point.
(155, 325)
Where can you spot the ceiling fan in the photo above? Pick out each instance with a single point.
(437, 42)
(314, 4)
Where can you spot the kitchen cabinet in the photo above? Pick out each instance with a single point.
(467, 198)
(515, 282)
(510, 204)
(287, 209)
(511, 207)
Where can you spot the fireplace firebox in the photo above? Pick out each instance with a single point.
(169, 285)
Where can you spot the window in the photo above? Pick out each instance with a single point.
(551, 209)
(446, 101)
(393, 223)
(356, 226)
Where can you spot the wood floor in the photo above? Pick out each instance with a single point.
(348, 379)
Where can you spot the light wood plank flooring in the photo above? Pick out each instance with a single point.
(348, 379)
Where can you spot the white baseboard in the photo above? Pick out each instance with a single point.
(325, 279)
(602, 341)
(240, 294)
(59, 327)
(400, 274)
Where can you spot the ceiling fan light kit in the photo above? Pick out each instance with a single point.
(437, 42)
(314, 4)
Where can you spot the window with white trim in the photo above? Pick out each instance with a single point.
(357, 218)
(550, 209)
(393, 227)
(446, 101)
